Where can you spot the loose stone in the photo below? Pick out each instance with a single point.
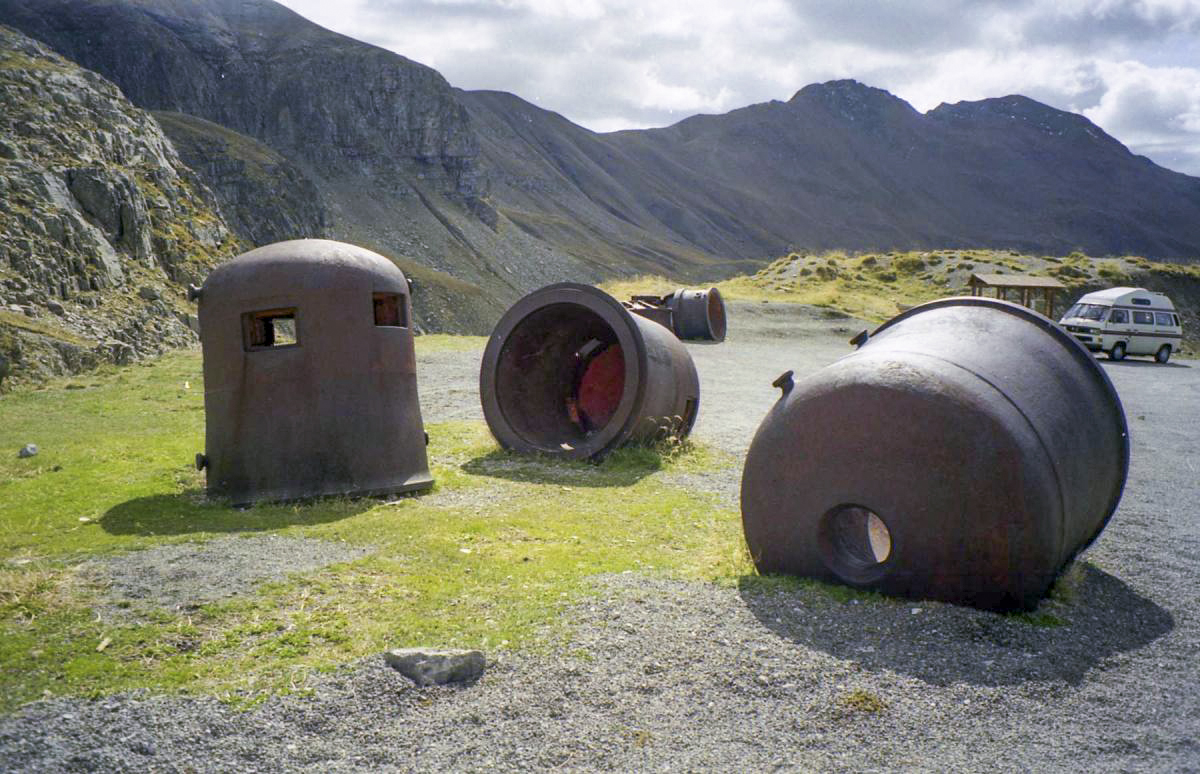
(436, 667)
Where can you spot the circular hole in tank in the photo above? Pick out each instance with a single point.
(855, 542)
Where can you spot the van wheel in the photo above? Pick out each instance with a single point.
(1163, 354)
(1117, 352)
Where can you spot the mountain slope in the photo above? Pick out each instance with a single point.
(264, 197)
(846, 165)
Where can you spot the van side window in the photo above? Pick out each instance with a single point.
(1162, 318)
(1141, 301)
(1143, 318)
(1175, 317)
(1119, 316)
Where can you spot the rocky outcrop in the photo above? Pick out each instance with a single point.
(101, 224)
(264, 197)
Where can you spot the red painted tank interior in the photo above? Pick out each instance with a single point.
(601, 387)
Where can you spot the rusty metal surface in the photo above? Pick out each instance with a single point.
(698, 314)
(569, 371)
(966, 452)
(692, 315)
(323, 404)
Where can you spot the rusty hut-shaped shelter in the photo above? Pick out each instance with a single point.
(310, 384)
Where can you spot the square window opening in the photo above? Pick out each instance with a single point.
(1143, 318)
(391, 311)
(270, 329)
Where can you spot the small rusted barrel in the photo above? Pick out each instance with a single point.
(569, 371)
(697, 314)
(966, 452)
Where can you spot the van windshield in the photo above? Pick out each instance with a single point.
(1087, 311)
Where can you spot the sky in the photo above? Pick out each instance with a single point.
(1131, 66)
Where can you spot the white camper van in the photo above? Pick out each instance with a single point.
(1125, 321)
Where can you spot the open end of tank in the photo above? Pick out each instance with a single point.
(560, 377)
(855, 543)
(716, 314)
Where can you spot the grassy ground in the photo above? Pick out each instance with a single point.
(877, 286)
(486, 560)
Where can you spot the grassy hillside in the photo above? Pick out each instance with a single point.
(477, 562)
(877, 286)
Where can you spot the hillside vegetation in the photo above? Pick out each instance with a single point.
(877, 286)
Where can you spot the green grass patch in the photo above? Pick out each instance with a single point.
(488, 559)
(863, 701)
(444, 342)
(1040, 619)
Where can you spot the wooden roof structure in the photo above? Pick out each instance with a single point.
(1025, 285)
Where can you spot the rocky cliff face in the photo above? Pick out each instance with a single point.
(264, 197)
(101, 223)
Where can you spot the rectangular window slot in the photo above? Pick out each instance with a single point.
(390, 310)
(1143, 318)
(270, 329)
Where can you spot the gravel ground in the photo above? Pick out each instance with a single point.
(670, 675)
(183, 576)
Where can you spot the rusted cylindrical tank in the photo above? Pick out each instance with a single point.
(966, 452)
(310, 384)
(698, 314)
(569, 371)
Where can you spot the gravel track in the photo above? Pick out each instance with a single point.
(669, 675)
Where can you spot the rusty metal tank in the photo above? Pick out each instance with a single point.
(568, 371)
(966, 452)
(693, 315)
(698, 314)
(310, 384)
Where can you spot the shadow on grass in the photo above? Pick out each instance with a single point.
(189, 512)
(624, 467)
(943, 644)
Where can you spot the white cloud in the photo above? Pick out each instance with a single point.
(1156, 110)
(610, 64)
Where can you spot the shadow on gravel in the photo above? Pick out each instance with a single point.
(943, 644)
(1142, 364)
(190, 512)
(624, 467)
